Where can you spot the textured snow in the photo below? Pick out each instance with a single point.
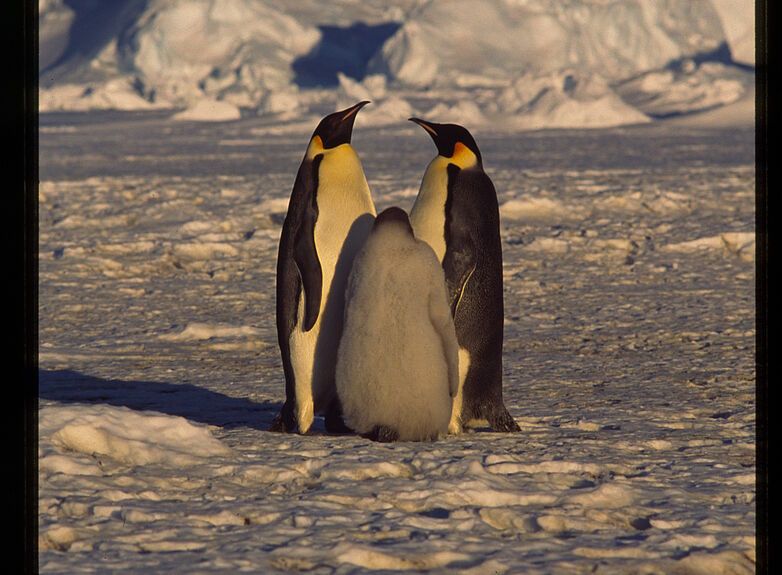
(501, 63)
(125, 436)
(439, 40)
(209, 110)
(180, 44)
(628, 360)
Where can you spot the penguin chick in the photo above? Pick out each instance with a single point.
(397, 364)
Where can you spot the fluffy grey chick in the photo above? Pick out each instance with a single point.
(397, 363)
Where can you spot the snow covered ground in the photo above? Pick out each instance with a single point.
(171, 134)
(628, 359)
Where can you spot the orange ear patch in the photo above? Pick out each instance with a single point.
(463, 156)
(315, 147)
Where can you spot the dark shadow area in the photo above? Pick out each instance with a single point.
(720, 54)
(682, 113)
(185, 400)
(341, 49)
(95, 24)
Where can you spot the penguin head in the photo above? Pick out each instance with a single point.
(453, 142)
(394, 216)
(335, 129)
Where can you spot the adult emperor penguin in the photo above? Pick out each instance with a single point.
(398, 359)
(456, 212)
(330, 214)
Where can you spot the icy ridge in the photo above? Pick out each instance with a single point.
(518, 65)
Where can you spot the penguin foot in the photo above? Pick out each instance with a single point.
(285, 422)
(501, 420)
(335, 423)
(333, 419)
(382, 434)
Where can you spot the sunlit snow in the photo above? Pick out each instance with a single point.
(628, 266)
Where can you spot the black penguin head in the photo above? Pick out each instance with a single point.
(393, 216)
(447, 137)
(337, 128)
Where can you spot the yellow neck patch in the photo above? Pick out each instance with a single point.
(463, 156)
(315, 147)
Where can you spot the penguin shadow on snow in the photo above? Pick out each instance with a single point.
(181, 399)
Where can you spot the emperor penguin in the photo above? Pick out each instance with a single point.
(329, 216)
(456, 213)
(397, 364)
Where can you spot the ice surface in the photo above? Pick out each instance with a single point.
(506, 64)
(628, 360)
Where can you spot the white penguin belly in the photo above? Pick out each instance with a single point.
(428, 214)
(345, 216)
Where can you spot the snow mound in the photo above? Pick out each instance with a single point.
(565, 99)
(738, 21)
(606, 496)
(465, 112)
(115, 94)
(502, 63)
(201, 251)
(184, 49)
(741, 244)
(210, 111)
(202, 331)
(739, 113)
(385, 109)
(544, 65)
(368, 558)
(718, 563)
(689, 87)
(129, 437)
(66, 465)
(540, 208)
(497, 39)
(178, 54)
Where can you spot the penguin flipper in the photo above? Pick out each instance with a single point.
(458, 264)
(305, 254)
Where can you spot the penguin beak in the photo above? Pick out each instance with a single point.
(443, 142)
(426, 126)
(351, 112)
(453, 142)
